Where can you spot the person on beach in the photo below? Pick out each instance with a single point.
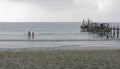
(29, 34)
(33, 34)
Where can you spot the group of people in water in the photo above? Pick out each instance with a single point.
(31, 34)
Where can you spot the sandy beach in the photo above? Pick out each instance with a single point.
(60, 59)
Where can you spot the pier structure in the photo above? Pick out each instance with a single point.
(105, 29)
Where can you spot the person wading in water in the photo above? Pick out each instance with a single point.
(29, 34)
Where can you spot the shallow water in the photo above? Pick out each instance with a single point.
(51, 35)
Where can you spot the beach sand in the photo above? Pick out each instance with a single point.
(60, 59)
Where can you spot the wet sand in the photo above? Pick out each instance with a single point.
(63, 48)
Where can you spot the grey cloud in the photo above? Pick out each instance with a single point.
(63, 4)
(50, 4)
(112, 10)
(55, 4)
(92, 4)
(71, 10)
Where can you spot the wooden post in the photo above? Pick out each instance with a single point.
(117, 31)
(114, 31)
(111, 31)
(107, 35)
(103, 31)
(83, 24)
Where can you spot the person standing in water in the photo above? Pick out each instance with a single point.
(33, 34)
(29, 34)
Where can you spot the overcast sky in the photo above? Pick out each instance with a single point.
(59, 10)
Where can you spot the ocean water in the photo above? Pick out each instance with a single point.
(52, 35)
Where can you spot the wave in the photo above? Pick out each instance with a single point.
(55, 40)
(59, 34)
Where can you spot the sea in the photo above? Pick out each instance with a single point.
(52, 36)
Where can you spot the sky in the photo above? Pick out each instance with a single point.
(59, 10)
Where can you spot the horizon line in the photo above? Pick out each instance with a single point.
(57, 22)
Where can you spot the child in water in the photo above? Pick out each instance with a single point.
(33, 35)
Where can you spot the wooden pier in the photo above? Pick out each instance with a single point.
(105, 29)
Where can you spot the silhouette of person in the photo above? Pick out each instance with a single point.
(29, 34)
(33, 34)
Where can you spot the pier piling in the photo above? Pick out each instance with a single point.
(114, 31)
(117, 31)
